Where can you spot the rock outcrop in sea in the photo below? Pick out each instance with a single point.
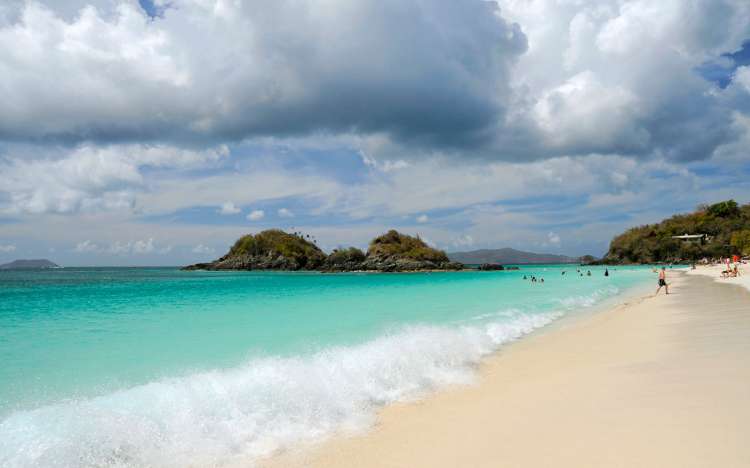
(278, 250)
(23, 264)
(273, 249)
(394, 251)
(490, 267)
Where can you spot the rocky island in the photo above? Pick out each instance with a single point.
(24, 264)
(275, 249)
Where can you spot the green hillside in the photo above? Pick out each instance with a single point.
(726, 226)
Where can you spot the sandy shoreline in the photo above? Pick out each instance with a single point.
(659, 382)
(714, 271)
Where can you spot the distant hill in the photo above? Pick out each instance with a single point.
(29, 265)
(508, 256)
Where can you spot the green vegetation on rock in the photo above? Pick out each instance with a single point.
(393, 243)
(726, 226)
(273, 249)
(349, 259)
(278, 250)
(275, 242)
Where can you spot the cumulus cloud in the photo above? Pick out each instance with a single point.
(742, 77)
(229, 208)
(583, 112)
(553, 238)
(385, 165)
(87, 246)
(138, 247)
(601, 76)
(7, 248)
(453, 108)
(285, 213)
(528, 80)
(463, 241)
(256, 215)
(89, 178)
(202, 249)
(423, 218)
(423, 71)
(735, 151)
(141, 247)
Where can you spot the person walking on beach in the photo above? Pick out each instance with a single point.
(662, 281)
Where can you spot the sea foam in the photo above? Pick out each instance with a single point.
(238, 415)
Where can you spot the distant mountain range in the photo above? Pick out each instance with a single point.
(28, 265)
(508, 256)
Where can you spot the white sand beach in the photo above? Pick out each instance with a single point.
(659, 382)
(714, 271)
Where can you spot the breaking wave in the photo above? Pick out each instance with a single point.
(237, 415)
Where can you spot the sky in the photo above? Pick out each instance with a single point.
(156, 132)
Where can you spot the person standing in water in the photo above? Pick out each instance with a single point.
(662, 281)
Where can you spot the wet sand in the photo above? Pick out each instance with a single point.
(660, 382)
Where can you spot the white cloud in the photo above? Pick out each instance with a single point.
(256, 215)
(285, 213)
(7, 248)
(106, 72)
(583, 111)
(736, 151)
(202, 249)
(138, 247)
(463, 241)
(614, 77)
(90, 178)
(229, 208)
(600, 110)
(142, 247)
(742, 77)
(553, 238)
(120, 248)
(244, 186)
(384, 166)
(422, 218)
(86, 246)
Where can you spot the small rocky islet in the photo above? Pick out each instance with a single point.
(275, 249)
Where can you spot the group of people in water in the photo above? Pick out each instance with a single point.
(534, 279)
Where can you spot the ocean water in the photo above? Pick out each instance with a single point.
(136, 367)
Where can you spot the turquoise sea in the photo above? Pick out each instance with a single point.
(136, 367)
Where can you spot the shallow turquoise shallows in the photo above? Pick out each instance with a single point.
(159, 367)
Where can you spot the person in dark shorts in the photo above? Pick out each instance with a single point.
(662, 281)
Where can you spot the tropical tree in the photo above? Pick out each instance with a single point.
(741, 241)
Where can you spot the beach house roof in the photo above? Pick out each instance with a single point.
(689, 236)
